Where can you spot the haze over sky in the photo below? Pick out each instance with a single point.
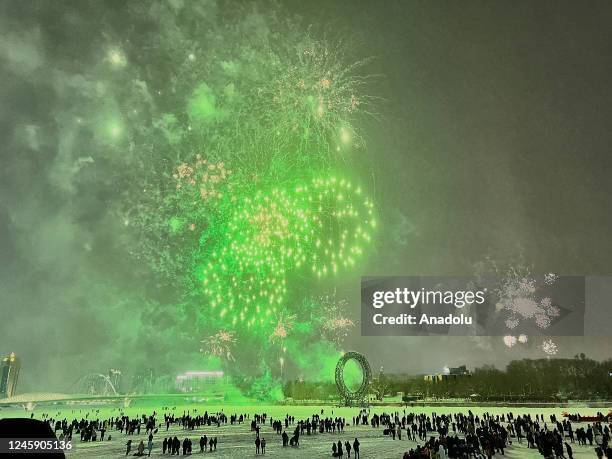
(494, 139)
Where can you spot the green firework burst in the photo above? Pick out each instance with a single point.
(319, 227)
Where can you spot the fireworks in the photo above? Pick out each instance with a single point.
(245, 277)
(219, 345)
(335, 325)
(518, 296)
(550, 278)
(206, 178)
(510, 341)
(549, 347)
(338, 328)
(512, 322)
(346, 221)
(241, 244)
(310, 99)
(284, 325)
(542, 320)
(319, 227)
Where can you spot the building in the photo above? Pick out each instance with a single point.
(9, 374)
(200, 381)
(450, 374)
(459, 371)
(432, 378)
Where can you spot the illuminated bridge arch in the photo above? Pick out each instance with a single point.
(94, 384)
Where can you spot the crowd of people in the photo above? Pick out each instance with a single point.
(435, 435)
(493, 434)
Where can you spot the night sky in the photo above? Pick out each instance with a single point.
(492, 139)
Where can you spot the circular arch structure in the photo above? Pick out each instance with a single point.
(358, 396)
(94, 384)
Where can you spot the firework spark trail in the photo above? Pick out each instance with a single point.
(308, 103)
(321, 227)
(219, 345)
(518, 296)
(549, 347)
(335, 324)
(509, 340)
(284, 325)
(203, 177)
(238, 245)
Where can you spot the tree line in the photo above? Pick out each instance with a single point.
(542, 380)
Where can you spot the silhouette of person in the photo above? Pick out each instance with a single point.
(356, 448)
(185, 446)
